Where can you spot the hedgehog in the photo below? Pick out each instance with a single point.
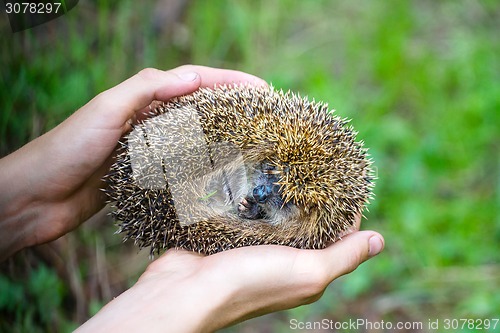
(239, 165)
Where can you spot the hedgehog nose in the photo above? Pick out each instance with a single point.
(261, 193)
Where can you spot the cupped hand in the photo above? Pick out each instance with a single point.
(52, 184)
(186, 292)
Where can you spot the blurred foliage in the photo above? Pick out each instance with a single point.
(421, 81)
(36, 304)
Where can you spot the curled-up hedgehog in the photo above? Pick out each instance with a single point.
(237, 166)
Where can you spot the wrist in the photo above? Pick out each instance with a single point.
(177, 300)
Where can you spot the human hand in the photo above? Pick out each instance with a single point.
(52, 184)
(186, 292)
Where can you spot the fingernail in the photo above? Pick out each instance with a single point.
(376, 245)
(189, 76)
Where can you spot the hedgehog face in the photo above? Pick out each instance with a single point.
(264, 200)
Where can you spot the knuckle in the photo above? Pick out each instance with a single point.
(149, 73)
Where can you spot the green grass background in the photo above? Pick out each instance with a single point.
(421, 81)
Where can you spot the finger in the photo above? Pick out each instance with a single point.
(138, 92)
(211, 77)
(347, 254)
(122, 101)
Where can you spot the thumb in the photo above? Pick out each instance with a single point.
(347, 254)
(122, 101)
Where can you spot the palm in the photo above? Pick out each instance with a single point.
(259, 279)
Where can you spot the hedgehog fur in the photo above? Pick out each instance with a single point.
(237, 166)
